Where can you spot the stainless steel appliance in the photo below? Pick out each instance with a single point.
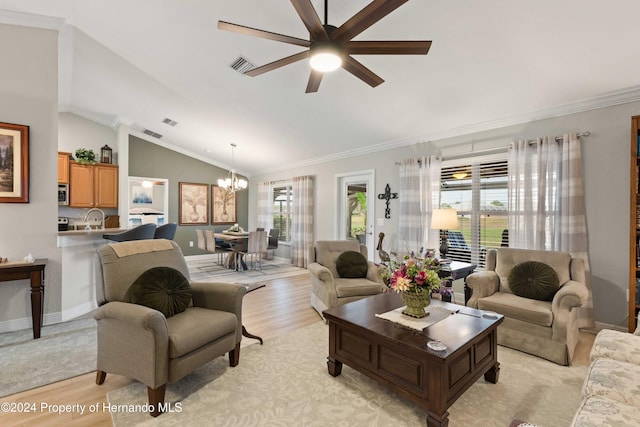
(63, 223)
(63, 194)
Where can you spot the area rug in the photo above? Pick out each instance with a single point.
(63, 351)
(205, 268)
(285, 383)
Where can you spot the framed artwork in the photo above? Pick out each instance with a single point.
(223, 207)
(14, 163)
(193, 203)
(141, 195)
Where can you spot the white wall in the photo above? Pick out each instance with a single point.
(29, 88)
(76, 132)
(606, 173)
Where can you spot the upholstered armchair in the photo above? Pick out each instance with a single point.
(543, 322)
(328, 288)
(156, 346)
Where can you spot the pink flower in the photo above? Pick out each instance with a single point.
(421, 277)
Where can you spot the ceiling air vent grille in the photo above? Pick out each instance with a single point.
(241, 65)
(168, 121)
(152, 133)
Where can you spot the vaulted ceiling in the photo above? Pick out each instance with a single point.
(491, 62)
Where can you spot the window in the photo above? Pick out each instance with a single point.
(478, 191)
(282, 204)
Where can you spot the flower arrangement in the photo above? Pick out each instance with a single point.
(414, 273)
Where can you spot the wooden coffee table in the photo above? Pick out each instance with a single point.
(398, 356)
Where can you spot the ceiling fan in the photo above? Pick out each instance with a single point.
(331, 47)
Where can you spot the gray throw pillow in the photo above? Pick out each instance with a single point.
(352, 265)
(534, 280)
(162, 288)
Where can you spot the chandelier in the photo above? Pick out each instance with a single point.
(232, 183)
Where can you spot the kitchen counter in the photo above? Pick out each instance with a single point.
(91, 232)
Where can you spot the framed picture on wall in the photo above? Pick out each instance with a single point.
(223, 206)
(14, 163)
(193, 203)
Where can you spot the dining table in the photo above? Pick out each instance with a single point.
(237, 241)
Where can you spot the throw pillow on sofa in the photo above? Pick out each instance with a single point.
(352, 265)
(534, 280)
(162, 288)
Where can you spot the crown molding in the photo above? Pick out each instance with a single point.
(23, 19)
(623, 96)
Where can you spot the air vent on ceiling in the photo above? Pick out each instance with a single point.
(241, 65)
(168, 121)
(152, 133)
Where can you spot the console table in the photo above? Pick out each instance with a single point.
(35, 273)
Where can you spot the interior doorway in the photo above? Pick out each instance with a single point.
(356, 208)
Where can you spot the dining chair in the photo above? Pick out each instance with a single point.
(272, 244)
(256, 246)
(214, 247)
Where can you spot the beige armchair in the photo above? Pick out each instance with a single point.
(140, 342)
(546, 329)
(328, 289)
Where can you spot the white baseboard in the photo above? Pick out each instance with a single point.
(49, 318)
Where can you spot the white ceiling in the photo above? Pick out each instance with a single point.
(491, 62)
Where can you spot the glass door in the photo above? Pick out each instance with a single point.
(355, 208)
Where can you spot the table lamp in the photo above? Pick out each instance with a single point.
(443, 220)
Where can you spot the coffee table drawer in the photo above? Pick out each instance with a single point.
(357, 348)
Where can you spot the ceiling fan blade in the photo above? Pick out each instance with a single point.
(372, 13)
(277, 64)
(310, 19)
(314, 81)
(228, 26)
(387, 47)
(361, 72)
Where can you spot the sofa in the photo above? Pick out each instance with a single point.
(544, 327)
(611, 391)
(328, 288)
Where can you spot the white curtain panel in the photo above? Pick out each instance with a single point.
(301, 220)
(418, 193)
(546, 202)
(265, 205)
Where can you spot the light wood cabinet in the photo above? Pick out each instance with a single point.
(634, 225)
(63, 167)
(93, 186)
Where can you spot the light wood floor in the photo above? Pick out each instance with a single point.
(278, 308)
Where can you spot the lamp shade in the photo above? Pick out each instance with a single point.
(444, 219)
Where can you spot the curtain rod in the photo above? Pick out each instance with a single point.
(504, 149)
(559, 138)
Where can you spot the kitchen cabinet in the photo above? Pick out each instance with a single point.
(63, 167)
(93, 186)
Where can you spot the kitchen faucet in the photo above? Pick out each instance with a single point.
(97, 211)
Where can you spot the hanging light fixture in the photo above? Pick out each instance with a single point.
(325, 56)
(232, 183)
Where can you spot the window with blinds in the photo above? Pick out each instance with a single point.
(282, 199)
(478, 192)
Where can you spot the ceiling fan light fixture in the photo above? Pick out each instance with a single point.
(325, 58)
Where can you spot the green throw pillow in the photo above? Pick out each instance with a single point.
(352, 265)
(534, 280)
(162, 288)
